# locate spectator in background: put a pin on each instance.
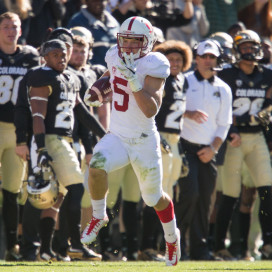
(102, 25)
(258, 17)
(47, 14)
(193, 32)
(222, 14)
(236, 27)
(114, 4)
(159, 15)
(71, 7)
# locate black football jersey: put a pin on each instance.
(87, 77)
(60, 116)
(173, 105)
(12, 69)
(249, 92)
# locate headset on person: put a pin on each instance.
(220, 59)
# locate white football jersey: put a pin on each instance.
(127, 119)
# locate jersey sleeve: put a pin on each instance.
(154, 64)
(22, 114)
(41, 77)
(110, 53)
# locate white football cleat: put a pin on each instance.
(172, 254)
(91, 231)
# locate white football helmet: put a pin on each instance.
(139, 28)
(43, 188)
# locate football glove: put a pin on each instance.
(44, 158)
(89, 103)
(263, 117)
(184, 167)
(128, 70)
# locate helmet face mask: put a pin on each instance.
(136, 28)
(43, 188)
(227, 56)
(248, 36)
(141, 45)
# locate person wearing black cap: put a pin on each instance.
(207, 120)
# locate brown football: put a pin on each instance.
(101, 90)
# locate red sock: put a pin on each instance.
(167, 214)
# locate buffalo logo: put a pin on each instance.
(239, 82)
(208, 45)
(62, 86)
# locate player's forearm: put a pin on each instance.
(215, 145)
(188, 11)
(147, 103)
(123, 8)
(38, 125)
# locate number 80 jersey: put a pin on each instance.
(12, 69)
(127, 119)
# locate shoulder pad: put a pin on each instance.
(111, 52)
(42, 76)
(154, 64)
(31, 49)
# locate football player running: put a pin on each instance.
(137, 78)
(15, 61)
(252, 99)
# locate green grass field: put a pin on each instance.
(135, 266)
